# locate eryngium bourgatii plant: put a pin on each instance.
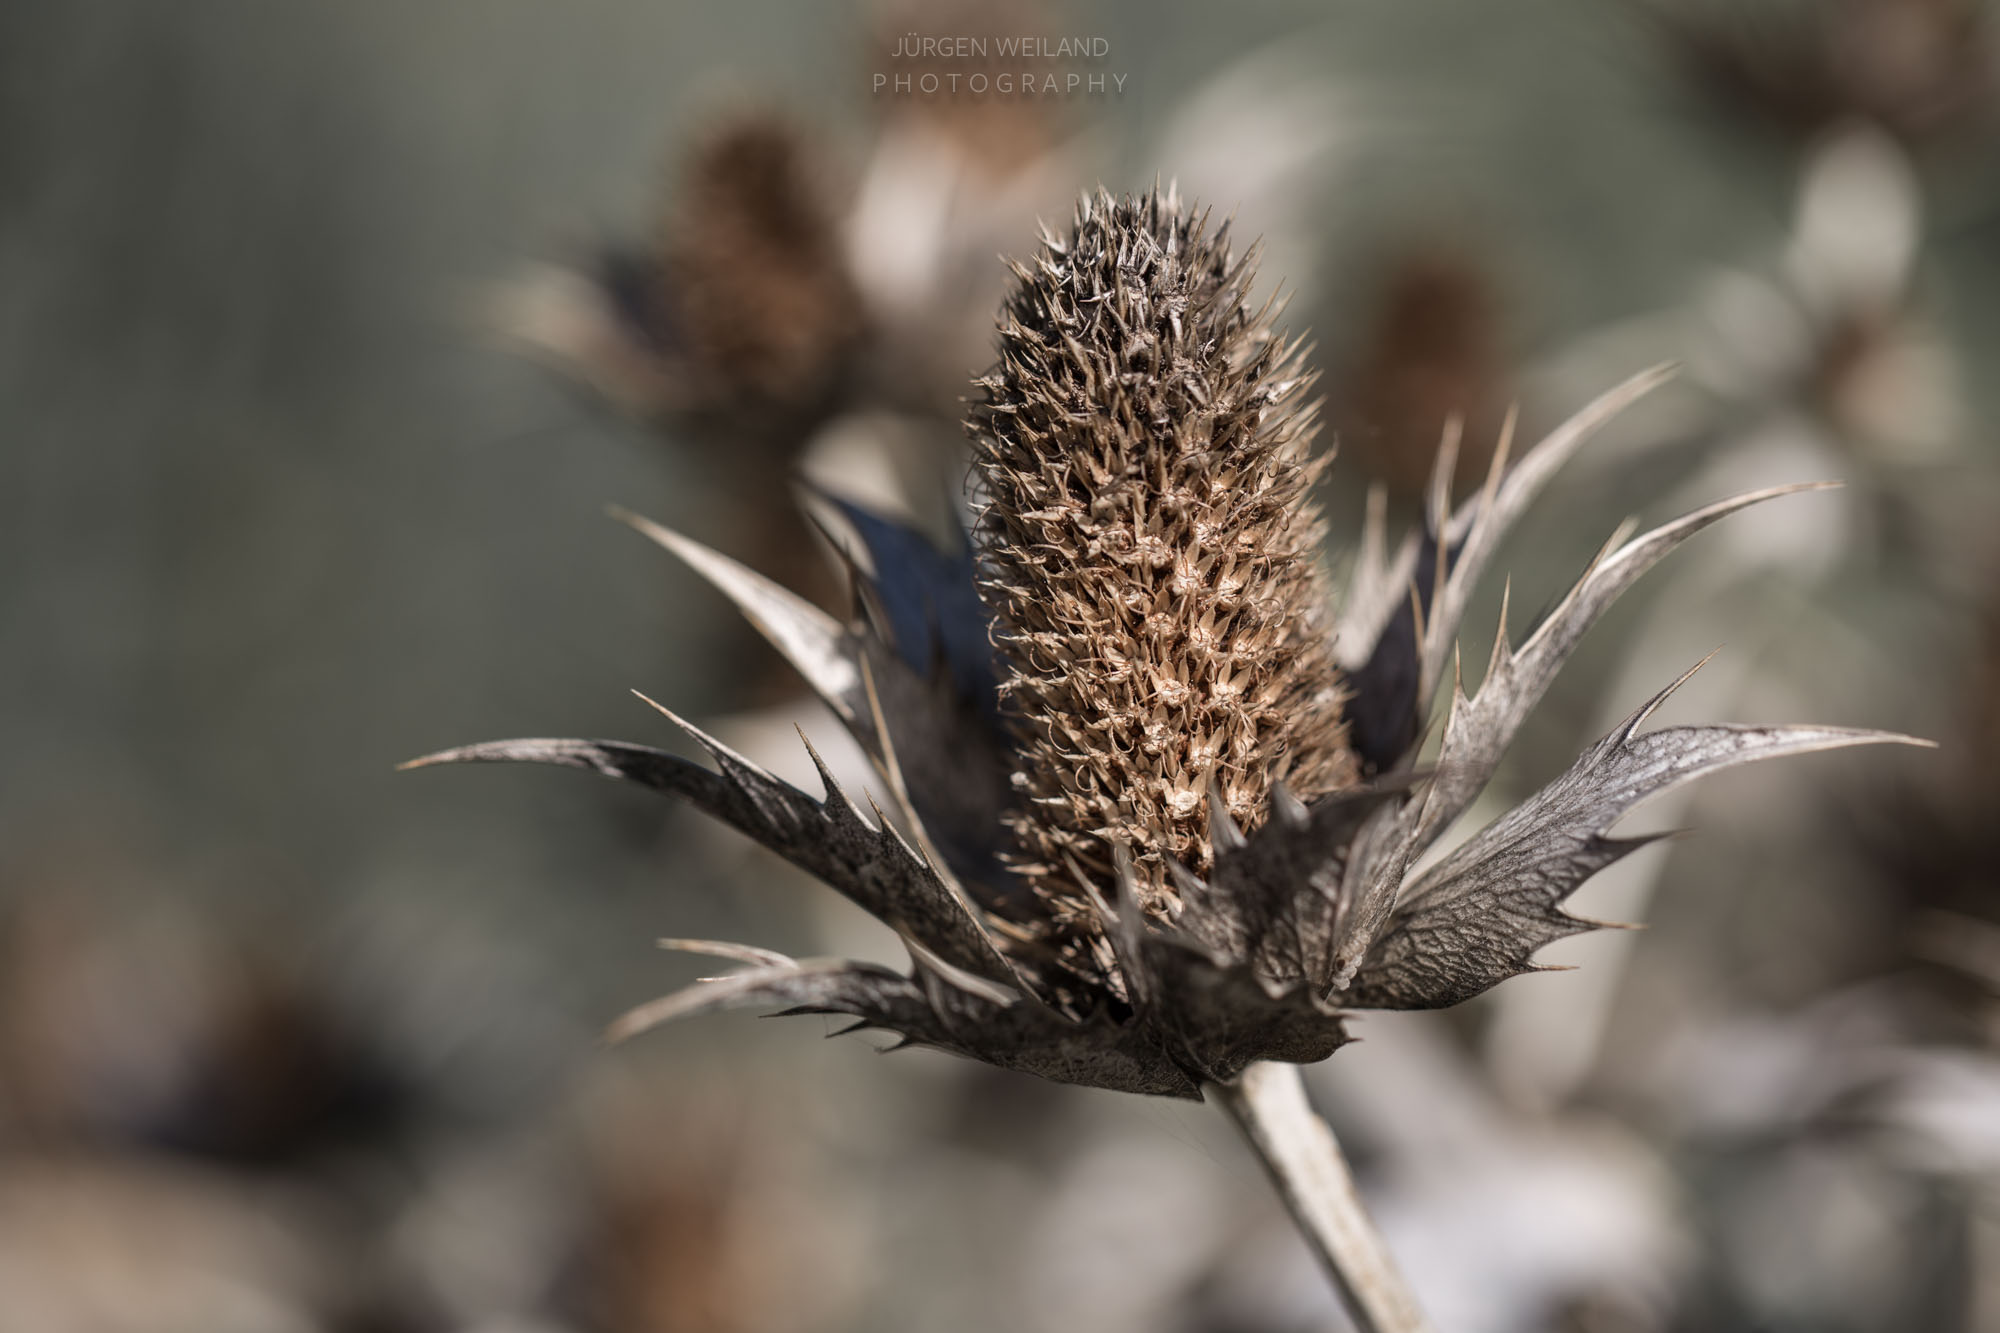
(1159, 807)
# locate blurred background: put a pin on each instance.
(328, 331)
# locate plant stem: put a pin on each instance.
(1268, 1103)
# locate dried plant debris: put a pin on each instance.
(1190, 868)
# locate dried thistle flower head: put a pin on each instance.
(1148, 537)
(1150, 550)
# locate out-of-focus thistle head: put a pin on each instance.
(753, 284)
(739, 318)
(1431, 350)
(1922, 69)
(1158, 805)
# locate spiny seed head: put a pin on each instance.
(1149, 550)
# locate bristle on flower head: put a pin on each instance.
(1149, 548)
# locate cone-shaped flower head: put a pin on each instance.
(1150, 551)
(1077, 721)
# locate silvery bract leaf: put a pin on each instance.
(1380, 589)
(927, 1010)
(1399, 620)
(1374, 594)
(742, 953)
(1475, 531)
(1478, 730)
(1477, 917)
(954, 769)
(868, 863)
(876, 995)
(818, 646)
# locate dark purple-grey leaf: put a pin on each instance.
(953, 759)
(931, 601)
(1216, 1017)
(1274, 898)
